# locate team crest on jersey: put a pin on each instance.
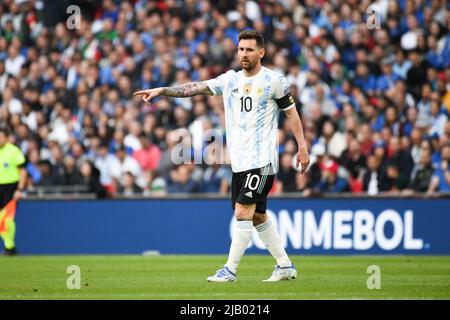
(247, 88)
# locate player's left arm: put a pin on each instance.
(295, 125)
(23, 177)
(286, 103)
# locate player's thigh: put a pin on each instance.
(244, 211)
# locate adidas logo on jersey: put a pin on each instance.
(235, 90)
(249, 194)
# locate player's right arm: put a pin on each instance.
(186, 90)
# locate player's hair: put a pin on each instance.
(252, 34)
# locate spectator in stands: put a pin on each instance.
(45, 171)
(401, 65)
(353, 159)
(387, 79)
(129, 188)
(166, 164)
(317, 157)
(438, 118)
(126, 163)
(180, 181)
(393, 180)
(148, 155)
(14, 61)
(365, 139)
(379, 151)
(401, 158)
(302, 184)
(441, 179)
(72, 176)
(91, 177)
(416, 75)
(333, 140)
(106, 164)
(422, 172)
(286, 175)
(331, 182)
(57, 164)
(157, 187)
(32, 166)
(365, 80)
(372, 177)
(217, 177)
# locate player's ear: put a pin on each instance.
(262, 52)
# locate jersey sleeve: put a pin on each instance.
(217, 84)
(282, 94)
(19, 158)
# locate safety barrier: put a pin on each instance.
(202, 226)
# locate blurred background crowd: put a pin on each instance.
(372, 90)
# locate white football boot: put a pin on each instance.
(279, 274)
(223, 275)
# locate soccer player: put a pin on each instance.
(13, 177)
(253, 98)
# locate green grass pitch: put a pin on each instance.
(184, 277)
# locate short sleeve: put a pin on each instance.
(217, 84)
(282, 94)
(19, 158)
(281, 87)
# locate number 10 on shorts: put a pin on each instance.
(252, 181)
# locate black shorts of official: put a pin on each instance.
(7, 193)
(252, 186)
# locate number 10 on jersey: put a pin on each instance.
(246, 104)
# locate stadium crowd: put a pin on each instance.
(373, 92)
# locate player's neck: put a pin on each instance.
(252, 72)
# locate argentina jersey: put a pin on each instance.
(252, 106)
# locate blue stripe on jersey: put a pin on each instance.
(262, 105)
(242, 120)
(233, 84)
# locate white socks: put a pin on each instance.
(271, 239)
(242, 235)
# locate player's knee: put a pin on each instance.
(244, 211)
(259, 218)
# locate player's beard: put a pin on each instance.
(249, 66)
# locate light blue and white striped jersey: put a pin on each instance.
(251, 116)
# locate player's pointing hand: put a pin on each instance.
(148, 94)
